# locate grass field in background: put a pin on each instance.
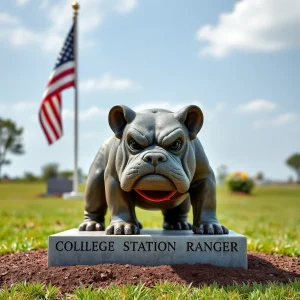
(270, 218)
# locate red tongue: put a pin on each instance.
(156, 196)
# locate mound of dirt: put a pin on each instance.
(32, 267)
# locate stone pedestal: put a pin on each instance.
(151, 248)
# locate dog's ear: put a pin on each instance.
(192, 117)
(118, 117)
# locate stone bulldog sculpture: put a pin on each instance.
(154, 161)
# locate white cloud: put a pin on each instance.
(21, 111)
(22, 2)
(258, 105)
(7, 19)
(86, 114)
(18, 35)
(125, 6)
(107, 82)
(18, 106)
(22, 36)
(254, 25)
(67, 114)
(285, 118)
(280, 120)
(92, 13)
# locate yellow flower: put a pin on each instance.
(240, 174)
(244, 175)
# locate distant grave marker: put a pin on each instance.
(58, 186)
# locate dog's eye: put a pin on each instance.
(134, 145)
(176, 146)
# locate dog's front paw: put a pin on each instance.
(210, 228)
(91, 226)
(121, 228)
(180, 225)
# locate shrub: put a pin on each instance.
(240, 182)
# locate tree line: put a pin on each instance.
(49, 170)
(11, 143)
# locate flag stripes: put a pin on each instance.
(50, 118)
(62, 77)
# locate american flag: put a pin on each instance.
(62, 77)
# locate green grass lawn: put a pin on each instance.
(270, 219)
(162, 291)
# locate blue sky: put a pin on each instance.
(238, 60)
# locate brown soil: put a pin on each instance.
(32, 267)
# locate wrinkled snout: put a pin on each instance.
(155, 170)
(154, 158)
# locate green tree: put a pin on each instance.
(29, 176)
(50, 171)
(294, 162)
(66, 174)
(10, 141)
(260, 176)
(69, 174)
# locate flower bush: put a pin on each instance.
(240, 182)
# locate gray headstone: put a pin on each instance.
(59, 186)
(151, 248)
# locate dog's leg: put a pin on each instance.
(203, 200)
(121, 207)
(95, 202)
(176, 218)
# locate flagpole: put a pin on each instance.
(75, 194)
(75, 6)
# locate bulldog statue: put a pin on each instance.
(154, 161)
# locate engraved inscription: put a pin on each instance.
(146, 246)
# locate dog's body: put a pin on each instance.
(154, 161)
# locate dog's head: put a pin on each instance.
(156, 157)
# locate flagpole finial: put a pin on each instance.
(75, 5)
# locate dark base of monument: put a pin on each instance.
(151, 248)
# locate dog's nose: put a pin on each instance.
(154, 158)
